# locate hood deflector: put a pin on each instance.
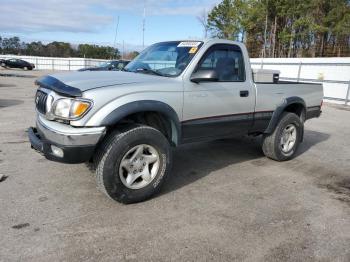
(59, 87)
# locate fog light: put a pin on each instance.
(57, 151)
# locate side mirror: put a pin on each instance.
(204, 76)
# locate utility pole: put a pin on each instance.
(116, 33)
(123, 50)
(143, 24)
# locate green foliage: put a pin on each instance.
(13, 45)
(293, 28)
(10, 44)
(103, 52)
(226, 19)
(61, 49)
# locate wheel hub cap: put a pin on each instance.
(288, 138)
(139, 166)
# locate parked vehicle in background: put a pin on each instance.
(2, 62)
(18, 63)
(176, 92)
(115, 65)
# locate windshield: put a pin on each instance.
(165, 59)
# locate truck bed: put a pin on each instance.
(271, 95)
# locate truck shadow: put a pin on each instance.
(9, 102)
(195, 161)
(311, 138)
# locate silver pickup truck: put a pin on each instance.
(125, 123)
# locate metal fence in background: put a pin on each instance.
(57, 63)
(335, 75)
(67, 64)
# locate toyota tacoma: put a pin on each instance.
(125, 123)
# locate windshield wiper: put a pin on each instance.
(147, 70)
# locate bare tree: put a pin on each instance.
(203, 20)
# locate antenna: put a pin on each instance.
(123, 52)
(143, 24)
(116, 33)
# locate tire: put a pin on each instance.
(277, 146)
(112, 175)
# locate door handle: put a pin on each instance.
(244, 93)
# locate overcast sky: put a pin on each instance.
(94, 21)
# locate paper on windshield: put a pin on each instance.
(189, 44)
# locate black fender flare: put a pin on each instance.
(280, 109)
(142, 106)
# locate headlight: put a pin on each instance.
(70, 109)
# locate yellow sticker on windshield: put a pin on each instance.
(193, 50)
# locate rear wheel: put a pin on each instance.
(25, 68)
(133, 163)
(283, 143)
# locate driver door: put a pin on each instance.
(221, 108)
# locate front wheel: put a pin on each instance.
(133, 164)
(283, 143)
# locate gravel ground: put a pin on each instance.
(224, 202)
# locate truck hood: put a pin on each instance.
(73, 84)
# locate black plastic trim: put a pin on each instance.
(219, 118)
(216, 127)
(35, 140)
(280, 109)
(142, 106)
(71, 154)
(313, 112)
(59, 87)
(261, 121)
(222, 126)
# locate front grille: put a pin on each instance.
(40, 101)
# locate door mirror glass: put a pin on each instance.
(204, 76)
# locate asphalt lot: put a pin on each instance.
(224, 202)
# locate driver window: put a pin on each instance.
(227, 61)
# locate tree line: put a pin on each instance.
(13, 45)
(283, 28)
